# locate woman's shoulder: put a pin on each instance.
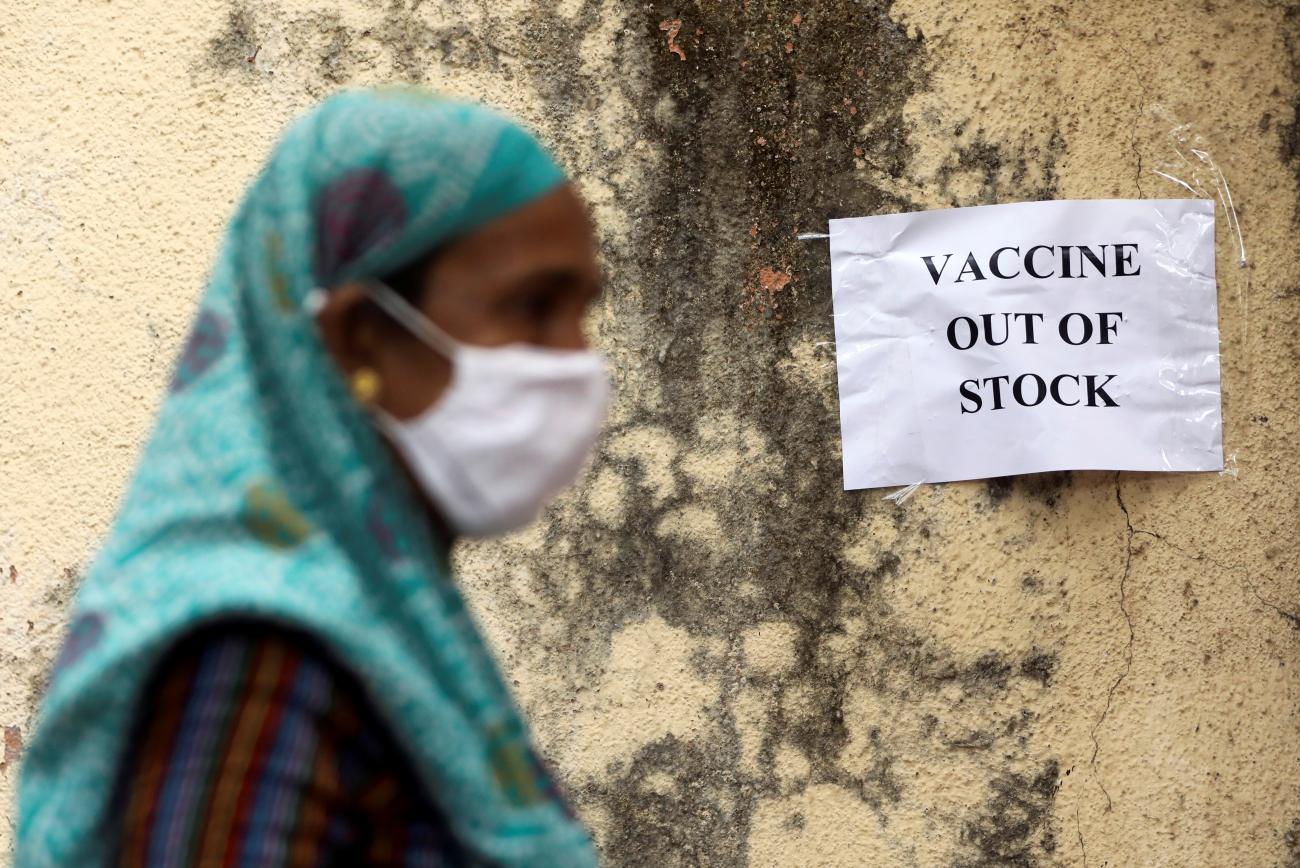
(251, 707)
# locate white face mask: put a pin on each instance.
(512, 430)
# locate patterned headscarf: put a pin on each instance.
(265, 492)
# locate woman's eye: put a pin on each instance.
(536, 305)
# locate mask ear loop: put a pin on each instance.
(422, 327)
(405, 313)
(314, 303)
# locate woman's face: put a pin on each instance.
(527, 277)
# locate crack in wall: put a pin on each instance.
(1292, 618)
(1130, 532)
(1143, 102)
(1128, 650)
(1078, 828)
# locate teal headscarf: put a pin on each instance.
(265, 492)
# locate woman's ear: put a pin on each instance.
(382, 363)
(348, 329)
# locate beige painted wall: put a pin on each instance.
(730, 660)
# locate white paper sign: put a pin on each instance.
(1002, 339)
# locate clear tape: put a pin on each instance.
(1193, 167)
(1195, 162)
(1184, 184)
(903, 494)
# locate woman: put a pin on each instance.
(269, 663)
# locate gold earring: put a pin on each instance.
(365, 386)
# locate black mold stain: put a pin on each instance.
(1291, 841)
(412, 42)
(412, 47)
(990, 162)
(1289, 134)
(1014, 826)
(1000, 488)
(1289, 147)
(60, 593)
(989, 673)
(880, 785)
(820, 733)
(1039, 665)
(688, 825)
(1017, 726)
(58, 596)
(339, 57)
(759, 126)
(231, 49)
(1047, 487)
(982, 158)
(1043, 487)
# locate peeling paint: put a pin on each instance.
(673, 27)
(13, 748)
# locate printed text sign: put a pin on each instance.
(1002, 339)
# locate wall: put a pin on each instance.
(730, 660)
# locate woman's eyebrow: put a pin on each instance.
(559, 277)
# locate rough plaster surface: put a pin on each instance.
(730, 660)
